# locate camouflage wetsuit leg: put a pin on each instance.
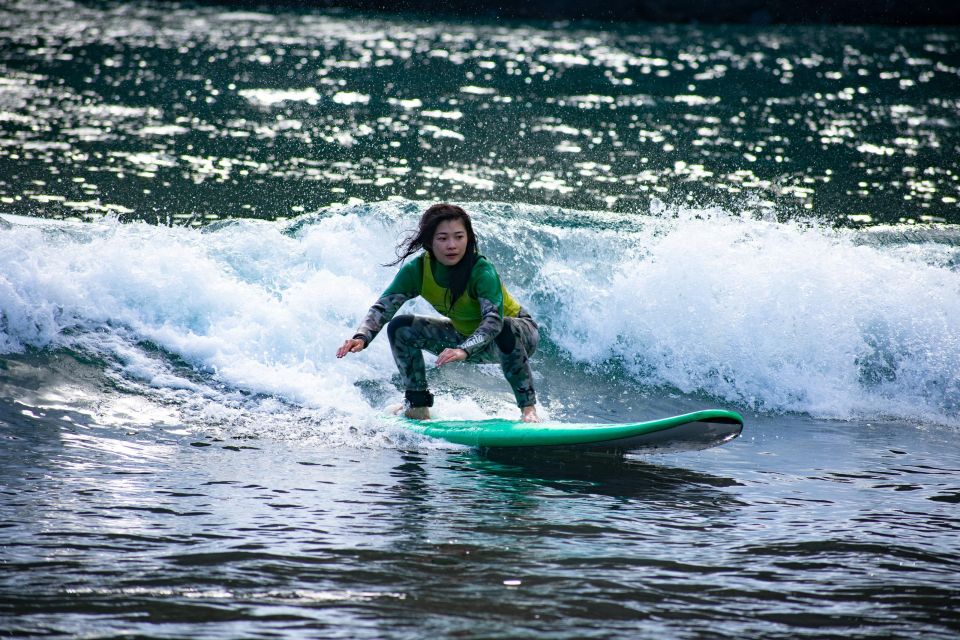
(518, 339)
(512, 348)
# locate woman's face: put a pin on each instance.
(450, 242)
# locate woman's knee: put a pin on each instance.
(398, 322)
(518, 333)
(505, 340)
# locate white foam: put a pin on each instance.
(783, 317)
(779, 317)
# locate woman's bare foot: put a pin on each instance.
(417, 413)
(529, 414)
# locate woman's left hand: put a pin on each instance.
(451, 355)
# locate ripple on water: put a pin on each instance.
(266, 118)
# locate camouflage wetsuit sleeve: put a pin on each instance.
(485, 287)
(405, 285)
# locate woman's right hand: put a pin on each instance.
(353, 345)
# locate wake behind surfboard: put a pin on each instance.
(688, 432)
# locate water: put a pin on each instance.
(195, 203)
(177, 115)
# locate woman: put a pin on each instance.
(483, 322)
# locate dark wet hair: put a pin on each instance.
(422, 238)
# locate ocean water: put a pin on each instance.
(195, 206)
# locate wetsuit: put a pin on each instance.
(485, 321)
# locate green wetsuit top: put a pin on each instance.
(484, 287)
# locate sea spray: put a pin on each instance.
(775, 316)
(769, 316)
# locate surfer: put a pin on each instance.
(482, 324)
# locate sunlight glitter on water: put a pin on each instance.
(357, 95)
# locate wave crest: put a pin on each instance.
(772, 316)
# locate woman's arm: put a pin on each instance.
(405, 285)
(486, 288)
(379, 315)
(490, 326)
(491, 323)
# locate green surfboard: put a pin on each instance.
(688, 432)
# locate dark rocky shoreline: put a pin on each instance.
(877, 12)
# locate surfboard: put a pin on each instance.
(688, 432)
